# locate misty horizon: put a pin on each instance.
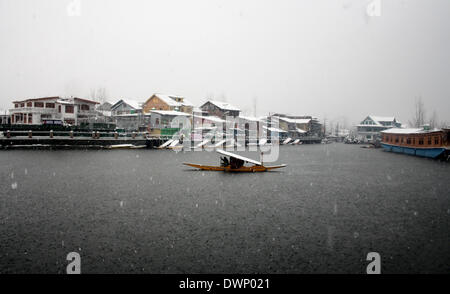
(330, 60)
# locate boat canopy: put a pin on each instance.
(238, 157)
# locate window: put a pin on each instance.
(39, 104)
(22, 104)
(84, 107)
(69, 109)
(29, 104)
(420, 141)
(49, 105)
(414, 141)
(429, 140)
(157, 121)
(30, 118)
(16, 105)
(401, 140)
(59, 108)
(436, 140)
(408, 141)
(396, 139)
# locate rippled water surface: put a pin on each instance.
(141, 211)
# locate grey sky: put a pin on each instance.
(325, 58)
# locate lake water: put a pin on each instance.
(141, 211)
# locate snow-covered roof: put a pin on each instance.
(250, 118)
(223, 105)
(60, 101)
(171, 112)
(295, 120)
(210, 118)
(300, 131)
(272, 129)
(408, 131)
(187, 102)
(382, 118)
(198, 110)
(289, 120)
(132, 103)
(378, 119)
(302, 120)
(168, 99)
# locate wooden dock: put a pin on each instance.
(78, 139)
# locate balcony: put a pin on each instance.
(33, 110)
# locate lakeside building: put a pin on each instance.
(73, 111)
(306, 128)
(127, 115)
(168, 122)
(105, 108)
(370, 128)
(220, 109)
(126, 106)
(132, 121)
(167, 102)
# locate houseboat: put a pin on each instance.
(420, 142)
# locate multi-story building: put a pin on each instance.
(69, 110)
(220, 109)
(300, 126)
(167, 102)
(370, 128)
(126, 106)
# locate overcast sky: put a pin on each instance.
(326, 58)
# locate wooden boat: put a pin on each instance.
(419, 142)
(236, 164)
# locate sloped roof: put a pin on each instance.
(132, 103)
(210, 118)
(302, 120)
(272, 129)
(378, 119)
(408, 131)
(168, 99)
(250, 118)
(382, 118)
(187, 102)
(295, 120)
(223, 105)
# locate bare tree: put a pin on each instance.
(418, 119)
(98, 94)
(210, 96)
(433, 120)
(254, 105)
(223, 97)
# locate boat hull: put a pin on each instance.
(255, 168)
(422, 152)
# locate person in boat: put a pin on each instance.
(236, 163)
(224, 161)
